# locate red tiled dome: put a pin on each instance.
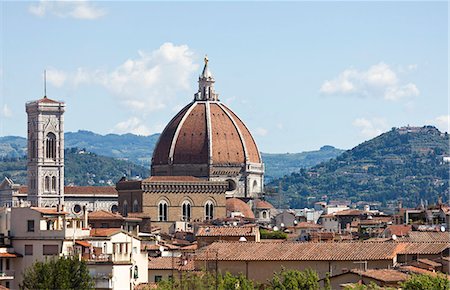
(236, 205)
(262, 204)
(206, 132)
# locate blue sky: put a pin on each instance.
(300, 74)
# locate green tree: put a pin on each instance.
(295, 279)
(62, 273)
(207, 281)
(426, 282)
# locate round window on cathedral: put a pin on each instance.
(114, 208)
(77, 208)
(231, 185)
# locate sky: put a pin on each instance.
(299, 74)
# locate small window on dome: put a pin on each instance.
(77, 208)
(231, 185)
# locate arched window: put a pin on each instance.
(125, 208)
(47, 183)
(136, 272)
(209, 210)
(54, 183)
(135, 206)
(50, 146)
(255, 185)
(114, 208)
(186, 208)
(162, 211)
(264, 214)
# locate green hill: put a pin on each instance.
(279, 165)
(139, 149)
(81, 168)
(405, 163)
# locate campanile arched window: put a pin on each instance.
(47, 183)
(186, 211)
(54, 183)
(50, 146)
(163, 211)
(209, 210)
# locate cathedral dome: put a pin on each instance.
(207, 139)
(206, 133)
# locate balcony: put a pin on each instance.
(6, 275)
(107, 259)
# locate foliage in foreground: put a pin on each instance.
(285, 280)
(62, 273)
(426, 282)
(294, 279)
(208, 281)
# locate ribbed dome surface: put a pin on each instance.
(236, 205)
(206, 132)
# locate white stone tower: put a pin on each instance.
(45, 152)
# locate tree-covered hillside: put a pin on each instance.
(139, 150)
(405, 163)
(81, 168)
(279, 165)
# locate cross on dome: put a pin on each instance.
(206, 82)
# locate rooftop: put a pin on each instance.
(230, 231)
(295, 251)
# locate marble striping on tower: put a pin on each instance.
(208, 140)
(45, 152)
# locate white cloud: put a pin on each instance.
(6, 111)
(56, 77)
(147, 83)
(132, 125)
(378, 80)
(441, 122)
(261, 131)
(78, 9)
(370, 128)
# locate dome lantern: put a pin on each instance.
(206, 82)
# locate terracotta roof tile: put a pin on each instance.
(399, 230)
(432, 237)
(262, 204)
(349, 212)
(307, 225)
(429, 262)
(215, 231)
(417, 270)
(295, 251)
(47, 100)
(424, 248)
(236, 205)
(190, 139)
(85, 244)
(10, 255)
(104, 232)
(161, 152)
(169, 263)
(103, 214)
(252, 149)
(49, 210)
(385, 275)
(191, 146)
